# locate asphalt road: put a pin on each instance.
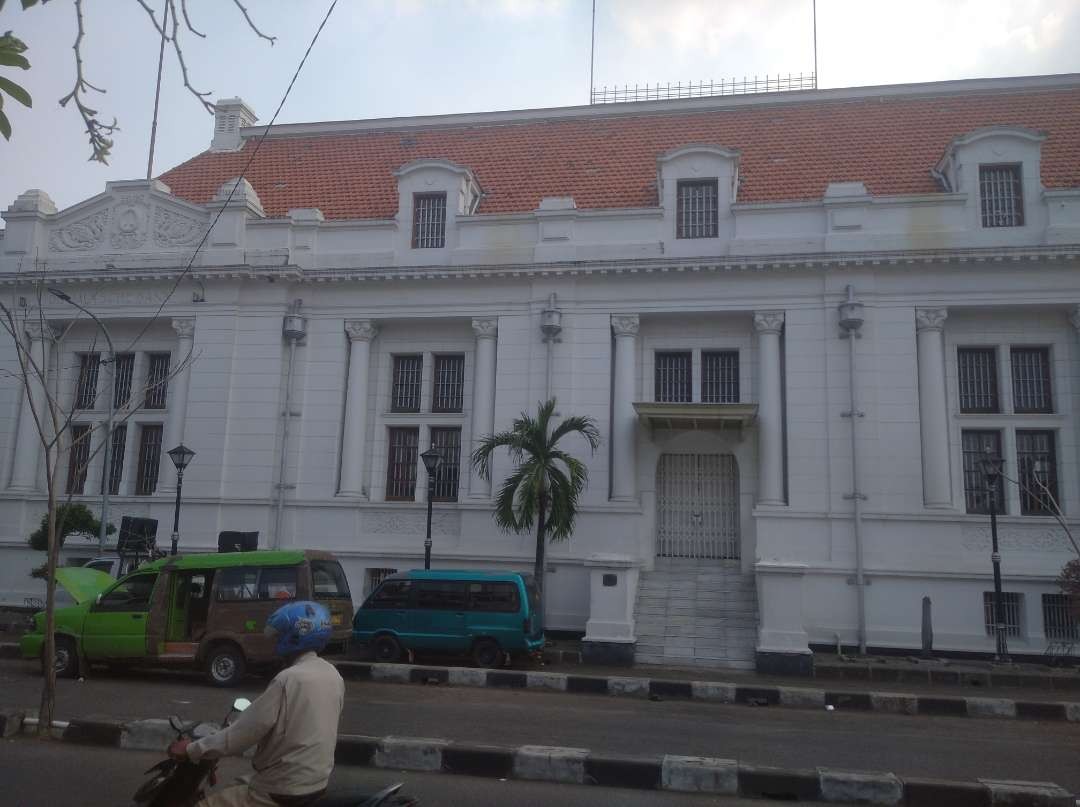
(938, 747)
(99, 777)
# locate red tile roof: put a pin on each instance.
(790, 151)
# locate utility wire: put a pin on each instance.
(243, 173)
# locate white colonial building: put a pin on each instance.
(798, 318)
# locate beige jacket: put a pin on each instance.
(294, 724)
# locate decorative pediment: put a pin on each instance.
(129, 217)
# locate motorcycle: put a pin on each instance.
(182, 783)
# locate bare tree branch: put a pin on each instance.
(187, 20)
(100, 133)
(251, 25)
(209, 106)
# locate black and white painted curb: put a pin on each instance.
(583, 767)
(713, 691)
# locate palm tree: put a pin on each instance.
(546, 482)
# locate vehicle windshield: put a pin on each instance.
(328, 580)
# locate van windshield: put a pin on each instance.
(328, 580)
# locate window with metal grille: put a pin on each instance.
(977, 373)
(1060, 622)
(374, 579)
(673, 377)
(974, 443)
(1036, 466)
(157, 381)
(720, 376)
(146, 476)
(1031, 380)
(1001, 196)
(78, 458)
(1011, 608)
(429, 221)
(86, 387)
(405, 392)
(696, 215)
(123, 370)
(401, 464)
(448, 382)
(116, 468)
(447, 441)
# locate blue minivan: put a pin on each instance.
(482, 614)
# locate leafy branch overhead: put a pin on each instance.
(99, 133)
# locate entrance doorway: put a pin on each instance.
(697, 504)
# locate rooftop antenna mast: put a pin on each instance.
(592, 49)
(815, 44)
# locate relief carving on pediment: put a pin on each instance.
(84, 234)
(174, 229)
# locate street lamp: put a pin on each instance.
(990, 465)
(432, 458)
(180, 456)
(107, 472)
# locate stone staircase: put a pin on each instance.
(696, 613)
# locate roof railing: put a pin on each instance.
(704, 89)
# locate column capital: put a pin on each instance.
(38, 330)
(625, 324)
(361, 330)
(930, 319)
(1074, 317)
(487, 328)
(184, 327)
(768, 321)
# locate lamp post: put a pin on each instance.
(432, 458)
(111, 404)
(180, 456)
(991, 469)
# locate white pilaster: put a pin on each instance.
(354, 443)
(483, 401)
(933, 406)
(179, 384)
(623, 417)
(24, 475)
(769, 325)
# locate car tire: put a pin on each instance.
(487, 653)
(225, 665)
(66, 659)
(387, 649)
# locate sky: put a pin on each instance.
(382, 58)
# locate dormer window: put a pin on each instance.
(1001, 196)
(696, 214)
(429, 221)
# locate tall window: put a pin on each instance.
(78, 458)
(123, 371)
(429, 221)
(1011, 607)
(447, 441)
(157, 381)
(1031, 380)
(696, 215)
(86, 387)
(448, 383)
(116, 468)
(976, 492)
(401, 464)
(146, 476)
(1001, 196)
(405, 396)
(1059, 618)
(673, 377)
(977, 374)
(1036, 465)
(720, 376)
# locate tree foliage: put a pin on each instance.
(546, 483)
(71, 519)
(11, 55)
(1070, 584)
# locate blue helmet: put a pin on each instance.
(299, 627)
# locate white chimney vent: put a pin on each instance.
(230, 116)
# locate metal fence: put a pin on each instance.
(704, 89)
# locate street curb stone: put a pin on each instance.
(623, 771)
(935, 793)
(764, 782)
(94, 732)
(546, 763)
(10, 723)
(478, 760)
(1009, 793)
(410, 753)
(699, 775)
(355, 749)
(860, 788)
(147, 735)
(716, 691)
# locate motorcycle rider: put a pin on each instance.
(293, 724)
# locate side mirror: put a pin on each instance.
(240, 704)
